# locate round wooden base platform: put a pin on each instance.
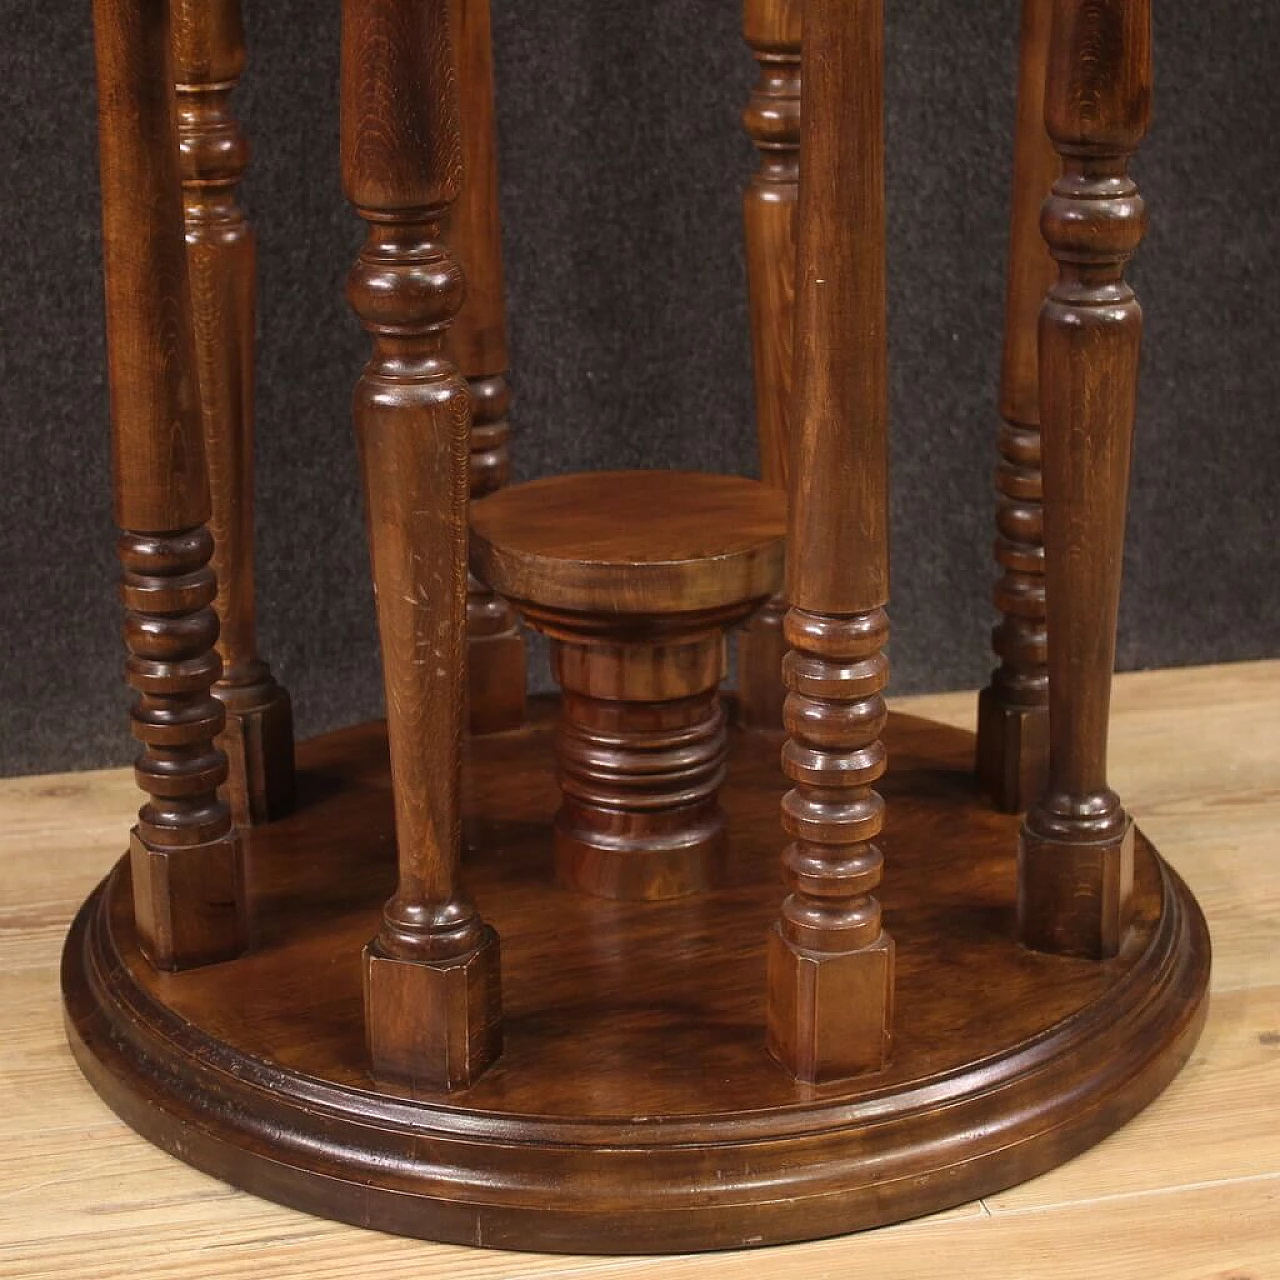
(634, 1108)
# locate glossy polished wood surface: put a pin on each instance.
(187, 861)
(665, 541)
(1185, 1191)
(631, 575)
(830, 976)
(772, 121)
(431, 972)
(633, 1108)
(209, 57)
(478, 344)
(1076, 851)
(1013, 710)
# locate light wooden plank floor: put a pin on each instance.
(1188, 1191)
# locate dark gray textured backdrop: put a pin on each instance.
(622, 161)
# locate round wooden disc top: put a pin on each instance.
(634, 542)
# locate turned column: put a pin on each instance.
(209, 56)
(830, 963)
(432, 1002)
(184, 856)
(478, 345)
(1013, 710)
(772, 121)
(1076, 852)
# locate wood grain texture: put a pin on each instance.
(402, 163)
(478, 344)
(637, 542)
(209, 57)
(1013, 710)
(1186, 1191)
(187, 861)
(830, 972)
(1076, 846)
(633, 577)
(772, 121)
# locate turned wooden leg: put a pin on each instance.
(432, 998)
(478, 344)
(209, 55)
(1013, 710)
(772, 120)
(830, 962)
(1076, 852)
(185, 857)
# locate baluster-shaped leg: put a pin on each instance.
(1076, 852)
(432, 1003)
(478, 343)
(830, 981)
(185, 858)
(772, 120)
(1013, 710)
(209, 55)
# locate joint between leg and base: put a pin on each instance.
(189, 902)
(1013, 752)
(830, 1014)
(258, 742)
(434, 1024)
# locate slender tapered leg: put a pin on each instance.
(772, 120)
(1076, 852)
(1013, 710)
(478, 344)
(209, 55)
(830, 962)
(185, 857)
(432, 999)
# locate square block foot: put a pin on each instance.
(189, 903)
(1013, 752)
(830, 1015)
(258, 742)
(1075, 899)
(496, 671)
(434, 1024)
(761, 693)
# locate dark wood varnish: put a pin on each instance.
(1076, 853)
(185, 857)
(772, 121)
(431, 973)
(830, 975)
(635, 1107)
(209, 56)
(635, 576)
(1013, 710)
(478, 344)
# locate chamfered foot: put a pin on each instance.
(829, 1013)
(436, 1024)
(258, 742)
(1012, 752)
(1075, 896)
(189, 903)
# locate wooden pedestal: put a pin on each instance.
(635, 1107)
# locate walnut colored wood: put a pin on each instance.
(209, 56)
(635, 1108)
(431, 973)
(1013, 710)
(637, 542)
(1075, 887)
(830, 976)
(630, 574)
(772, 121)
(186, 860)
(478, 343)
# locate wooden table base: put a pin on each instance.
(634, 1108)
